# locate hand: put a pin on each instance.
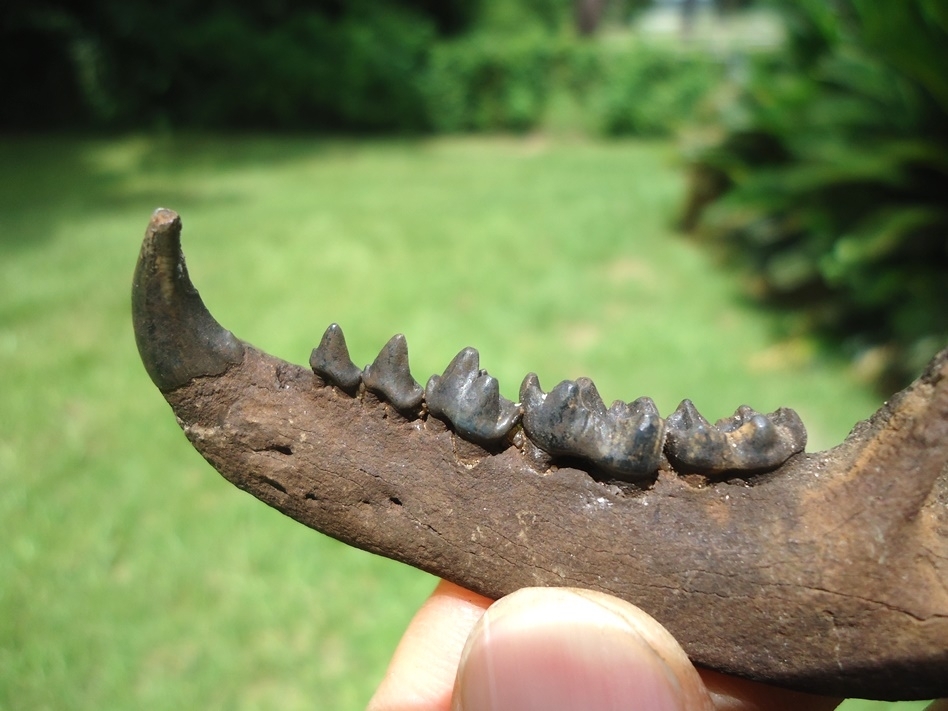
(557, 649)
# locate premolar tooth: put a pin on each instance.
(746, 441)
(390, 376)
(572, 420)
(470, 400)
(330, 361)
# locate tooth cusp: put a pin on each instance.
(789, 423)
(626, 440)
(470, 400)
(390, 376)
(330, 361)
(760, 442)
(747, 441)
(692, 443)
(572, 421)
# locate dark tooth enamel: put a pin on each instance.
(748, 431)
(330, 361)
(692, 442)
(390, 376)
(647, 431)
(177, 337)
(470, 400)
(763, 441)
(793, 430)
(572, 421)
(746, 441)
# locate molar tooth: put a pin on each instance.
(390, 376)
(759, 442)
(330, 361)
(693, 443)
(646, 428)
(748, 430)
(470, 400)
(572, 420)
(531, 395)
(791, 427)
(554, 420)
(746, 441)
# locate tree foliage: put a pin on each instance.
(830, 175)
(392, 65)
(281, 63)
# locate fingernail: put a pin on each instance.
(565, 650)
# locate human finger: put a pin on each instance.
(565, 649)
(423, 669)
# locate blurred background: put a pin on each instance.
(740, 201)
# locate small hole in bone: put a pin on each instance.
(275, 484)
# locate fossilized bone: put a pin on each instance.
(825, 572)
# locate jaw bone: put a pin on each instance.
(827, 574)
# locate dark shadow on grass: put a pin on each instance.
(49, 181)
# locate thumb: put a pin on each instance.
(563, 649)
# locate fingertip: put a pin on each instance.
(562, 649)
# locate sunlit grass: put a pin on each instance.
(132, 576)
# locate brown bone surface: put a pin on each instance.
(829, 574)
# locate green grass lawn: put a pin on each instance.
(132, 576)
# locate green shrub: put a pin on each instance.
(650, 91)
(832, 169)
(495, 81)
(489, 81)
(379, 65)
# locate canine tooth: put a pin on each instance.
(470, 400)
(746, 441)
(162, 293)
(390, 376)
(572, 420)
(330, 360)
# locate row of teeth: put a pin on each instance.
(625, 441)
